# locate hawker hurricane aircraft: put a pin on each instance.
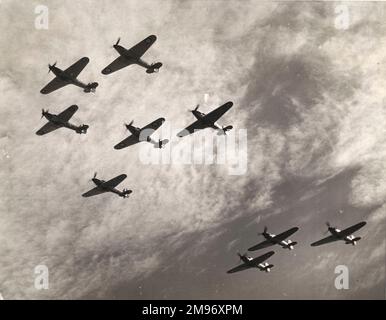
(345, 235)
(142, 134)
(68, 76)
(207, 120)
(133, 56)
(258, 262)
(108, 186)
(279, 239)
(61, 121)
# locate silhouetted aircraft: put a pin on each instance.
(108, 186)
(142, 134)
(133, 56)
(68, 76)
(279, 239)
(60, 121)
(345, 235)
(207, 120)
(253, 263)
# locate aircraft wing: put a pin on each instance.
(115, 181)
(216, 114)
(129, 141)
(68, 113)
(241, 267)
(94, 192)
(116, 65)
(47, 128)
(151, 127)
(261, 245)
(262, 258)
(197, 125)
(324, 241)
(284, 235)
(53, 85)
(140, 48)
(77, 67)
(352, 229)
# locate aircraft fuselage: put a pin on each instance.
(100, 184)
(286, 244)
(200, 116)
(56, 120)
(126, 53)
(261, 266)
(67, 77)
(348, 239)
(140, 134)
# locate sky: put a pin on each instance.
(307, 81)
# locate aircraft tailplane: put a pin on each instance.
(154, 67)
(225, 129)
(91, 87)
(291, 245)
(125, 193)
(82, 129)
(353, 241)
(161, 143)
(268, 267)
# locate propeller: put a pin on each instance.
(195, 109)
(49, 67)
(265, 231)
(128, 125)
(43, 113)
(241, 255)
(119, 39)
(328, 226)
(95, 174)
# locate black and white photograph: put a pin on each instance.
(192, 150)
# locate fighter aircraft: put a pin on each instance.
(207, 120)
(61, 120)
(249, 262)
(142, 134)
(108, 186)
(133, 56)
(345, 235)
(68, 76)
(279, 239)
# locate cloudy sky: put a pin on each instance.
(307, 81)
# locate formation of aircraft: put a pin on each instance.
(61, 120)
(133, 56)
(257, 262)
(207, 120)
(345, 235)
(68, 76)
(271, 239)
(142, 134)
(108, 186)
